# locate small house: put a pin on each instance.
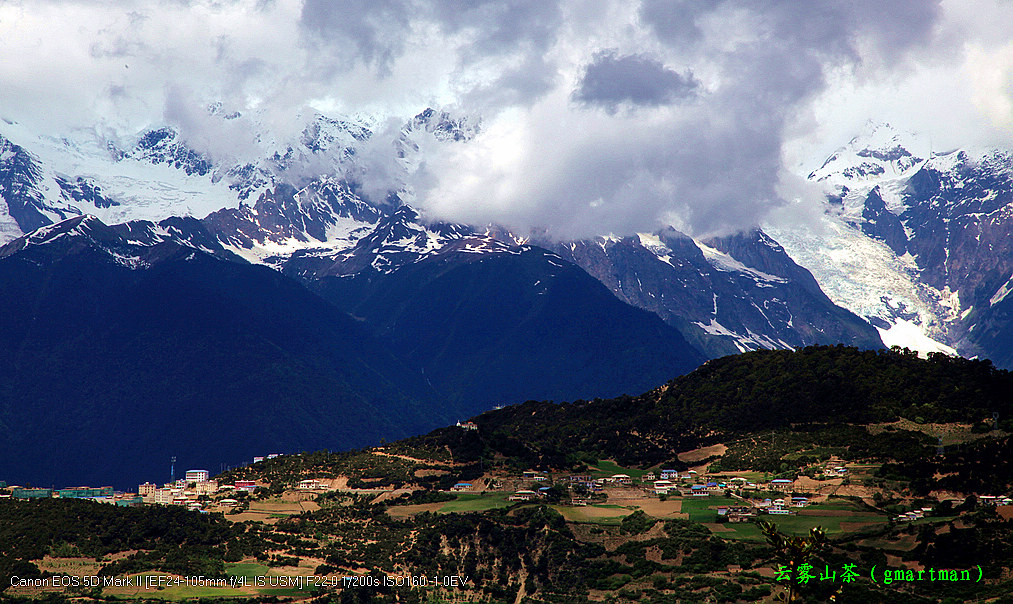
(523, 496)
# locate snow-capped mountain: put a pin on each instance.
(158, 173)
(45, 180)
(727, 295)
(300, 209)
(915, 239)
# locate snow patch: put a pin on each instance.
(908, 334)
(1001, 293)
(9, 229)
(723, 262)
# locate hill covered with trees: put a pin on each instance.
(757, 391)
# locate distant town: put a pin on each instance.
(191, 491)
(777, 496)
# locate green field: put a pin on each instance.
(800, 525)
(181, 593)
(703, 509)
(855, 516)
(743, 530)
(608, 468)
(476, 502)
(247, 569)
(749, 475)
(609, 515)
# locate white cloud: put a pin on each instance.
(775, 85)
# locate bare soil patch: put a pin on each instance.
(392, 494)
(423, 473)
(662, 509)
(848, 527)
(717, 528)
(407, 511)
(702, 453)
(431, 462)
(838, 513)
(591, 513)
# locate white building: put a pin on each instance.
(197, 475)
(205, 487)
(662, 487)
(523, 496)
(165, 496)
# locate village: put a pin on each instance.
(774, 497)
(193, 491)
(602, 503)
(724, 497)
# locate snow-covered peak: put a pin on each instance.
(74, 233)
(443, 125)
(325, 133)
(84, 226)
(725, 262)
(82, 174)
(881, 153)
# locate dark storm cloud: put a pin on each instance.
(821, 27)
(611, 80)
(675, 21)
(707, 167)
(785, 57)
(502, 23)
(772, 57)
(523, 84)
(378, 29)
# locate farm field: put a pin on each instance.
(663, 510)
(476, 502)
(609, 468)
(465, 502)
(273, 509)
(594, 514)
(704, 509)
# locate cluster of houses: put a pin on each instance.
(782, 505)
(667, 482)
(672, 482)
(995, 500)
(185, 492)
(97, 494)
(524, 495)
(913, 515)
(188, 490)
(992, 500)
(739, 513)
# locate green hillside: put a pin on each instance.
(529, 504)
(753, 392)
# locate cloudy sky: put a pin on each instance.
(597, 116)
